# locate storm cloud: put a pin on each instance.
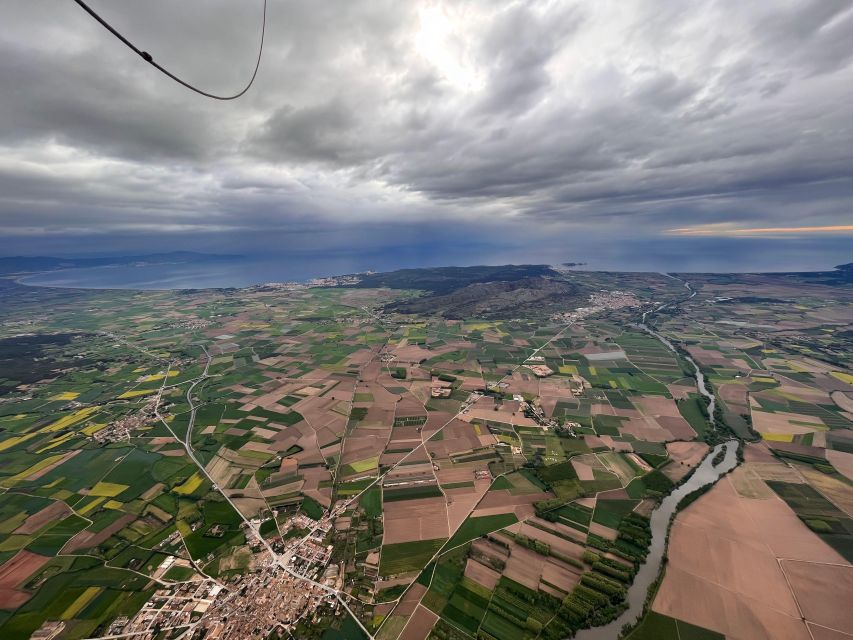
(556, 124)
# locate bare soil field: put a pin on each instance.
(646, 429)
(687, 454)
(449, 475)
(784, 423)
(524, 566)
(409, 520)
(488, 549)
(748, 483)
(412, 353)
(560, 575)
(803, 392)
(411, 599)
(603, 532)
(600, 408)
(774, 470)
(457, 437)
(823, 591)
(503, 501)
(733, 394)
(658, 406)
(758, 452)
(50, 513)
(482, 574)
(584, 471)
(843, 400)
(677, 426)
(679, 392)
(707, 357)
(723, 571)
(221, 471)
(589, 503)
(87, 539)
(13, 572)
(843, 462)
(822, 633)
(616, 445)
(153, 492)
(463, 500)
(419, 625)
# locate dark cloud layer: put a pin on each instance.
(518, 123)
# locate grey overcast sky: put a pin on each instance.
(567, 127)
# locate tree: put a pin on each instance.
(534, 625)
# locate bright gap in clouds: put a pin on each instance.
(724, 229)
(441, 40)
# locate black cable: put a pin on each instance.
(150, 60)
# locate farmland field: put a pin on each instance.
(408, 556)
(454, 476)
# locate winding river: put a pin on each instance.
(706, 474)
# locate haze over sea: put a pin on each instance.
(675, 255)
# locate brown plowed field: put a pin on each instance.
(87, 539)
(685, 454)
(644, 429)
(824, 592)
(784, 423)
(410, 600)
(748, 483)
(677, 426)
(463, 500)
(560, 575)
(724, 573)
(55, 511)
(419, 625)
(409, 520)
(821, 633)
(842, 461)
(584, 471)
(658, 406)
(602, 532)
(482, 574)
(449, 475)
(524, 566)
(13, 572)
(843, 400)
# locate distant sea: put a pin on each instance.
(196, 274)
(209, 272)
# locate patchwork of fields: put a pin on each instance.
(461, 492)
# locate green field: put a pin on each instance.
(476, 527)
(411, 493)
(312, 508)
(655, 626)
(371, 502)
(408, 556)
(693, 410)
